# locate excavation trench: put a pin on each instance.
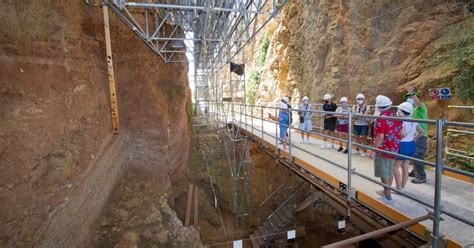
(142, 208)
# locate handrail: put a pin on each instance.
(293, 193)
(459, 131)
(271, 195)
(460, 107)
(440, 125)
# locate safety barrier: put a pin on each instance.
(252, 111)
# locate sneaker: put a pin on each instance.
(302, 142)
(387, 201)
(418, 180)
(340, 149)
(345, 151)
(323, 146)
(308, 141)
(363, 154)
(354, 151)
(329, 146)
(412, 174)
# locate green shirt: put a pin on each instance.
(421, 113)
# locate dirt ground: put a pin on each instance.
(138, 215)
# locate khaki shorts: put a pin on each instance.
(383, 167)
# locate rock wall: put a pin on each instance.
(374, 47)
(55, 115)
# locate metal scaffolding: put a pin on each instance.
(213, 31)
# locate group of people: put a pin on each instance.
(406, 138)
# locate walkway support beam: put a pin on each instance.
(438, 175)
(378, 233)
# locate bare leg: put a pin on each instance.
(404, 173)
(396, 173)
(340, 136)
(359, 141)
(343, 136)
(386, 191)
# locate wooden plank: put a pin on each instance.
(110, 71)
(254, 241)
(323, 175)
(390, 212)
(196, 206)
(453, 244)
(189, 205)
(458, 176)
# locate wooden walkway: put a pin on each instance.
(457, 195)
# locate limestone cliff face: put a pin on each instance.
(347, 47)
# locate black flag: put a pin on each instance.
(237, 69)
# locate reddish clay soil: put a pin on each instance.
(55, 114)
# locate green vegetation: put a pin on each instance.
(463, 63)
(253, 81)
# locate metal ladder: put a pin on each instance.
(279, 219)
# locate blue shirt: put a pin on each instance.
(343, 110)
(284, 120)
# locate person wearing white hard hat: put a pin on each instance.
(410, 131)
(306, 125)
(361, 124)
(329, 120)
(283, 120)
(387, 138)
(343, 122)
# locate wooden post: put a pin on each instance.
(110, 70)
(196, 206)
(189, 205)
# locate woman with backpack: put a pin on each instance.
(361, 124)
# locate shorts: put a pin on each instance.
(329, 125)
(407, 149)
(307, 125)
(283, 132)
(361, 130)
(343, 128)
(383, 167)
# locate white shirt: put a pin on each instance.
(364, 110)
(410, 128)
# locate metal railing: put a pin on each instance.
(440, 124)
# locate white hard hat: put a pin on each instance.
(382, 101)
(360, 96)
(285, 99)
(305, 98)
(327, 97)
(282, 105)
(344, 99)
(406, 107)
